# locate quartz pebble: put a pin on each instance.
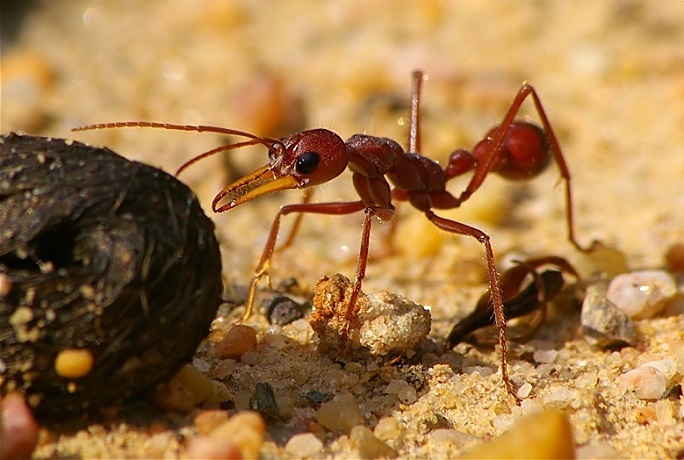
(524, 391)
(388, 429)
(642, 294)
(207, 420)
(545, 356)
(603, 324)
(239, 340)
(187, 389)
(544, 435)
(241, 436)
(647, 382)
(303, 445)
(341, 413)
(368, 445)
(665, 414)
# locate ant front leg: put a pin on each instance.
(494, 283)
(306, 198)
(265, 262)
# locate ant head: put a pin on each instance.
(311, 157)
(305, 159)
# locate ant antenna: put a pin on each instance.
(254, 139)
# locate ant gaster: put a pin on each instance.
(382, 172)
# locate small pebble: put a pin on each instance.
(303, 445)
(560, 396)
(544, 435)
(647, 382)
(223, 369)
(205, 448)
(282, 310)
(603, 324)
(263, 401)
(642, 294)
(239, 340)
(665, 412)
(368, 445)
(317, 397)
(545, 356)
(207, 420)
(667, 366)
(407, 395)
(250, 358)
(503, 422)
(18, 428)
(524, 391)
(395, 386)
(244, 431)
(341, 413)
(174, 396)
(388, 429)
(189, 388)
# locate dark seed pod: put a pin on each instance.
(110, 275)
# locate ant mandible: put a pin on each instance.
(382, 172)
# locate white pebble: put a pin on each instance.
(560, 396)
(303, 445)
(665, 412)
(388, 428)
(545, 356)
(667, 366)
(524, 391)
(642, 294)
(647, 382)
(503, 422)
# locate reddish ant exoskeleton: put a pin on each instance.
(382, 172)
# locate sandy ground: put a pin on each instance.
(611, 78)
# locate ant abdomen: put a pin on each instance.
(524, 153)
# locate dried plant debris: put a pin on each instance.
(110, 275)
(387, 325)
(529, 302)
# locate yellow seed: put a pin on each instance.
(74, 363)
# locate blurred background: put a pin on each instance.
(610, 75)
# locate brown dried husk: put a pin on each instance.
(109, 255)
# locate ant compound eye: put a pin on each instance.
(308, 162)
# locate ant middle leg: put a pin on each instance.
(494, 283)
